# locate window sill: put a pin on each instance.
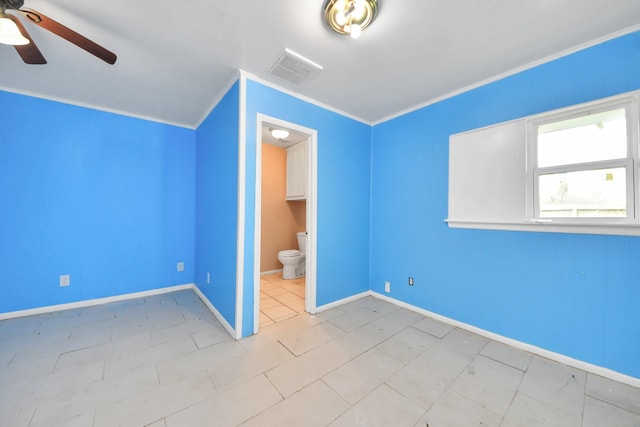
(621, 229)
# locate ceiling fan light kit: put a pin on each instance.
(350, 17)
(12, 32)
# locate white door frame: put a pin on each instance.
(312, 211)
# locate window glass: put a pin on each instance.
(589, 138)
(599, 193)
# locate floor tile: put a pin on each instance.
(383, 407)
(165, 360)
(299, 342)
(238, 369)
(510, 356)
(434, 327)
(269, 302)
(154, 353)
(230, 408)
(357, 378)
(554, 384)
(488, 383)
(315, 405)
(279, 312)
(265, 320)
(297, 373)
(209, 337)
(455, 410)
(73, 402)
(407, 344)
(190, 363)
(615, 393)
(599, 414)
(275, 291)
(526, 411)
(84, 420)
(356, 318)
(427, 377)
(280, 299)
(163, 401)
(397, 320)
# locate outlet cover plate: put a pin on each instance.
(65, 280)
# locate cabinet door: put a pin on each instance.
(297, 172)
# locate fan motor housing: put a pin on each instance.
(11, 4)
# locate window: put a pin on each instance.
(575, 170)
(584, 165)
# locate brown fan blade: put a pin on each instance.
(29, 53)
(69, 35)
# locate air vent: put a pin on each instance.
(294, 68)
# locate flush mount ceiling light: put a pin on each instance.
(279, 133)
(9, 31)
(350, 16)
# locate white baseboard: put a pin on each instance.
(560, 358)
(117, 298)
(92, 302)
(342, 301)
(215, 312)
(264, 273)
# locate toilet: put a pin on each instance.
(293, 260)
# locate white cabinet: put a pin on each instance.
(297, 171)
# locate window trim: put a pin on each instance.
(467, 174)
(627, 101)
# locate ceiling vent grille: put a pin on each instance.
(294, 68)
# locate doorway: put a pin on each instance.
(297, 135)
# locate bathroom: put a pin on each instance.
(283, 225)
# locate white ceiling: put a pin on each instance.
(175, 59)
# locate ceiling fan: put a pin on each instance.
(29, 52)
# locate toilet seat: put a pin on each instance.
(289, 253)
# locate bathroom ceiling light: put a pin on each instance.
(350, 16)
(279, 133)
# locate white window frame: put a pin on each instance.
(630, 162)
(493, 175)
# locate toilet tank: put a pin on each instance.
(302, 241)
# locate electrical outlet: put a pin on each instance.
(181, 266)
(387, 287)
(65, 280)
(208, 277)
(410, 281)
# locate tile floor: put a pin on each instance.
(280, 299)
(165, 361)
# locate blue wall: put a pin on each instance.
(573, 294)
(217, 204)
(344, 154)
(116, 202)
(105, 198)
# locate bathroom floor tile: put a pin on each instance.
(279, 312)
(280, 299)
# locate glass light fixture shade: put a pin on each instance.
(355, 30)
(350, 16)
(9, 32)
(279, 133)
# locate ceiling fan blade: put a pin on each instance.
(68, 34)
(29, 53)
